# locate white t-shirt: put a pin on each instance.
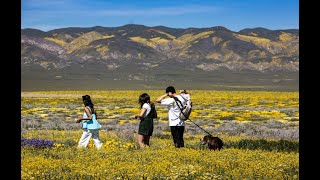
(174, 111)
(148, 109)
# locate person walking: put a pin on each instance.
(90, 124)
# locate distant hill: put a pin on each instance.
(150, 54)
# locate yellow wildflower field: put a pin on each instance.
(259, 130)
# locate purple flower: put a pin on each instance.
(36, 142)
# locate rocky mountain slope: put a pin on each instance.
(139, 52)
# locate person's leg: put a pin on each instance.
(141, 140)
(84, 140)
(147, 140)
(96, 139)
(180, 136)
(174, 135)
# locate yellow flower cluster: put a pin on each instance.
(119, 159)
(122, 159)
(58, 145)
(113, 143)
(208, 105)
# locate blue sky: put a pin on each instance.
(232, 14)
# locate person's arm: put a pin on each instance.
(161, 97)
(88, 114)
(143, 110)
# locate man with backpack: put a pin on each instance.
(179, 111)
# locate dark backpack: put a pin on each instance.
(155, 115)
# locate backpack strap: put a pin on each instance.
(183, 98)
(178, 102)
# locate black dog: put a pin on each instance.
(213, 142)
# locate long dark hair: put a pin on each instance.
(144, 98)
(87, 102)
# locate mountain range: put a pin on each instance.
(154, 54)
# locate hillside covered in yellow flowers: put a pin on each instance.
(138, 54)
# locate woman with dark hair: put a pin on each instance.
(90, 124)
(148, 112)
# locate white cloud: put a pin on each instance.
(158, 11)
(165, 11)
(46, 27)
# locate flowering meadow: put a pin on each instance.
(260, 131)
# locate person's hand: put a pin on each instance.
(162, 97)
(78, 121)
